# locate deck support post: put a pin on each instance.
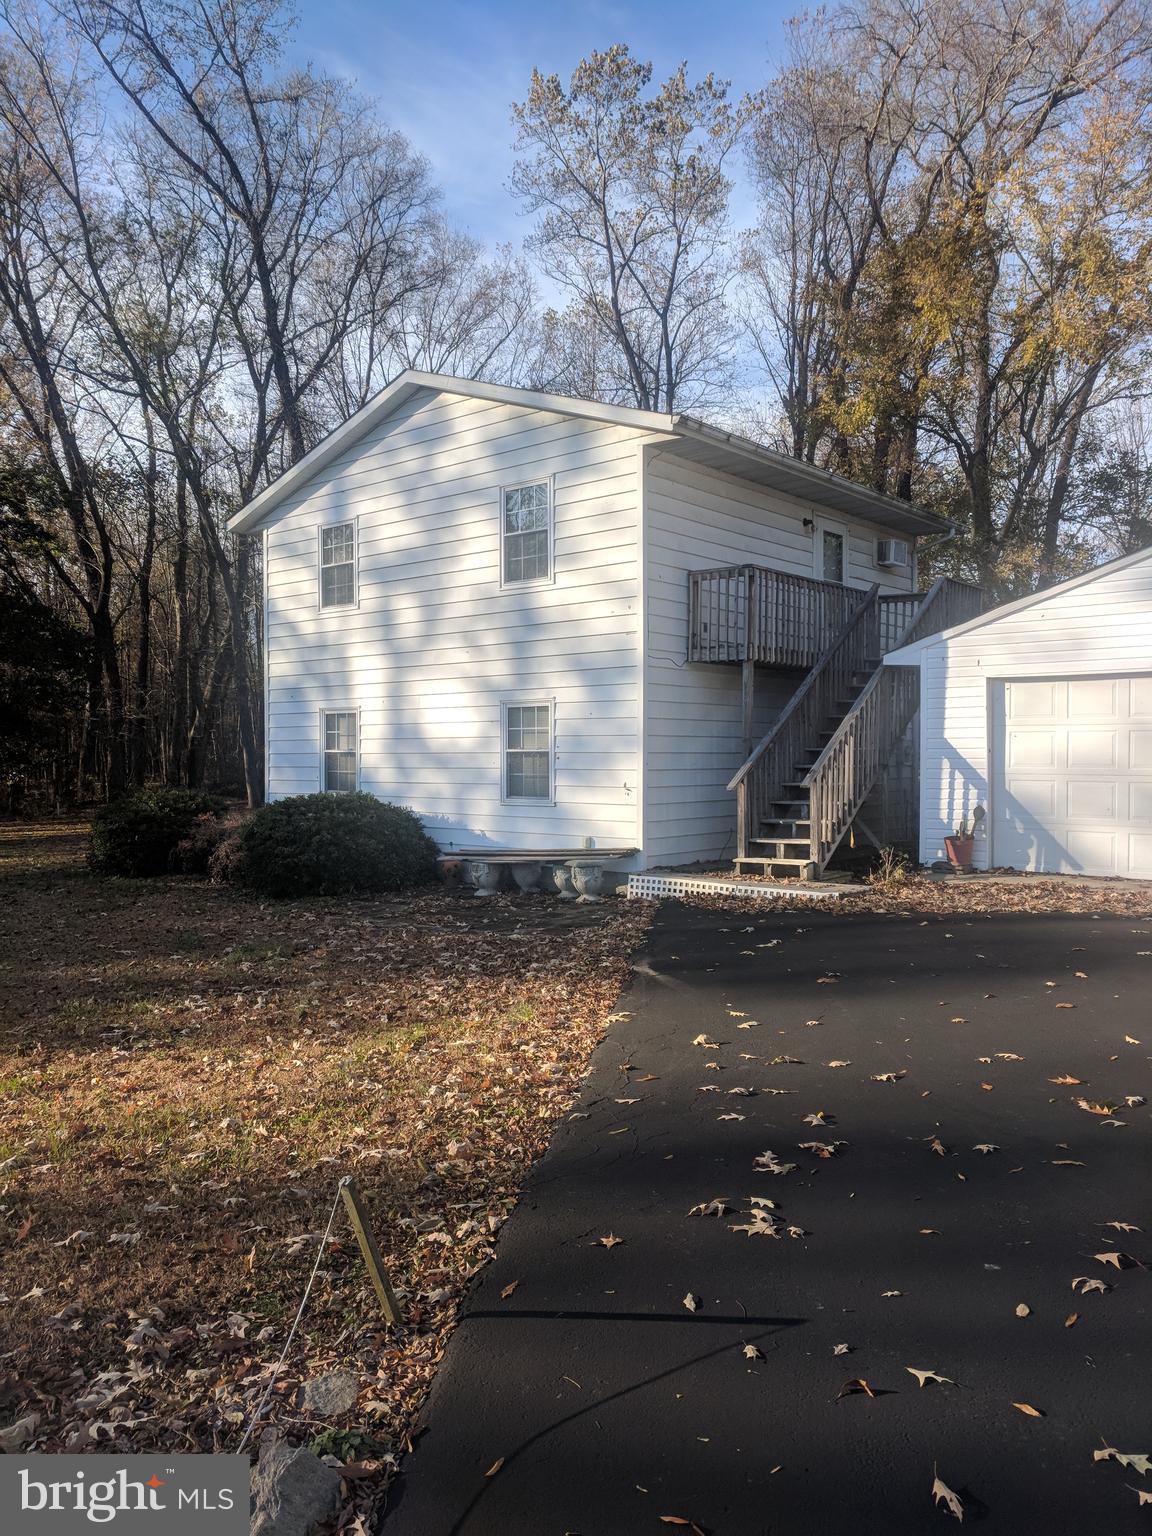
(748, 703)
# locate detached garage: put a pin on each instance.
(1041, 712)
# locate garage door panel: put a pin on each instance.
(1033, 701)
(1090, 799)
(1092, 698)
(1072, 775)
(1090, 749)
(1140, 751)
(1032, 749)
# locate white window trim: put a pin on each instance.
(521, 703)
(822, 526)
(537, 581)
(339, 709)
(341, 522)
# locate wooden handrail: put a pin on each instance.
(777, 760)
(740, 613)
(843, 775)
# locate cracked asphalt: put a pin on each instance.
(605, 1404)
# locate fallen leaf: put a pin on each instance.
(1023, 1310)
(610, 1240)
(1117, 1260)
(837, 1063)
(925, 1376)
(1138, 1461)
(495, 1467)
(891, 1293)
(717, 1207)
(985, 1147)
(1065, 1005)
(752, 1353)
(1068, 1081)
(679, 1520)
(816, 1118)
(1084, 1284)
(1072, 1319)
(857, 1384)
(987, 1087)
(841, 1349)
(1093, 1108)
(768, 1162)
(938, 1147)
(1131, 1040)
(1123, 1226)
(508, 1290)
(691, 1302)
(711, 1045)
(1067, 1162)
(927, 1232)
(1033, 1413)
(942, 1493)
(889, 1077)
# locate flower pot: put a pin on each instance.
(560, 877)
(588, 880)
(959, 851)
(485, 876)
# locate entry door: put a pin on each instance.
(1072, 775)
(830, 552)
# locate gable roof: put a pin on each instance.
(683, 436)
(910, 655)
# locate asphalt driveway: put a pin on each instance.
(581, 1395)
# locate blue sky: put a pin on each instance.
(445, 72)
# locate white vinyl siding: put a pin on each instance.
(338, 565)
(438, 643)
(341, 746)
(528, 752)
(526, 533)
(1099, 629)
(696, 519)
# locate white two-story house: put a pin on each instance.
(553, 626)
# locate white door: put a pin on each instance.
(1072, 775)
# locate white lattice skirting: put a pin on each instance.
(649, 886)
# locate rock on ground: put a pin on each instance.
(331, 1396)
(292, 1491)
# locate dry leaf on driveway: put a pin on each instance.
(1084, 1284)
(1023, 1310)
(1033, 1413)
(857, 1384)
(925, 1376)
(691, 1302)
(941, 1493)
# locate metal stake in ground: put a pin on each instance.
(362, 1226)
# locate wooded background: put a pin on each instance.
(208, 260)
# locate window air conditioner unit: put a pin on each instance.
(893, 552)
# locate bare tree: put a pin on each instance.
(632, 198)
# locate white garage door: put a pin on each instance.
(1072, 775)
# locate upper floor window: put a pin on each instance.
(338, 566)
(526, 533)
(528, 752)
(341, 769)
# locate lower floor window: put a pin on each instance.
(340, 751)
(528, 751)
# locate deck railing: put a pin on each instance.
(842, 777)
(750, 613)
(775, 762)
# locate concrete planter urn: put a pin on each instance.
(560, 878)
(589, 881)
(485, 877)
(527, 876)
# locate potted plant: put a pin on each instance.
(960, 845)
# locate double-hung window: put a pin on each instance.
(526, 533)
(340, 751)
(528, 752)
(338, 566)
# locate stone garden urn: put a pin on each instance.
(527, 876)
(560, 877)
(485, 876)
(589, 881)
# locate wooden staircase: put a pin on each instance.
(802, 787)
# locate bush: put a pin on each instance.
(139, 833)
(328, 844)
(226, 862)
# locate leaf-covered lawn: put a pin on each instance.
(184, 1076)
